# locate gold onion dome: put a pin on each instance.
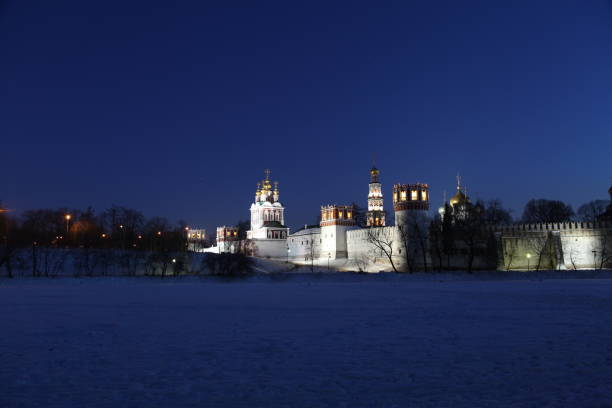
(458, 198)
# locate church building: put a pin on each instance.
(268, 232)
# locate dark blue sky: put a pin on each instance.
(176, 109)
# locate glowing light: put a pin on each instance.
(68, 217)
(528, 256)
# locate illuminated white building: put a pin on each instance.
(267, 213)
(268, 232)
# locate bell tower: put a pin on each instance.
(376, 214)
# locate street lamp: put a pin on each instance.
(328, 258)
(288, 252)
(528, 258)
(67, 217)
(594, 259)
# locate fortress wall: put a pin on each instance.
(334, 241)
(305, 244)
(359, 248)
(270, 248)
(571, 245)
(585, 248)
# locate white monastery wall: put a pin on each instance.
(572, 245)
(305, 244)
(270, 248)
(360, 248)
(333, 241)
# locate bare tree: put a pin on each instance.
(413, 234)
(572, 256)
(590, 211)
(470, 230)
(602, 248)
(383, 241)
(436, 243)
(510, 247)
(496, 214)
(361, 262)
(541, 246)
(311, 251)
(541, 210)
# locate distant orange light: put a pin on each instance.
(158, 232)
(68, 217)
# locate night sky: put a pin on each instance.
(176, 108)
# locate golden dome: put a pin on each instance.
(459, 198)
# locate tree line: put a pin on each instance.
(40, 239)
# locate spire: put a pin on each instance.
(458, 182)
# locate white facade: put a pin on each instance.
(305, 244)
(268, 232)
(333, 241)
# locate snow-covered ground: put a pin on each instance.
(306, 341)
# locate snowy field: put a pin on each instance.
(318, 341)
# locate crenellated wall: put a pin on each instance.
(570, 245)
